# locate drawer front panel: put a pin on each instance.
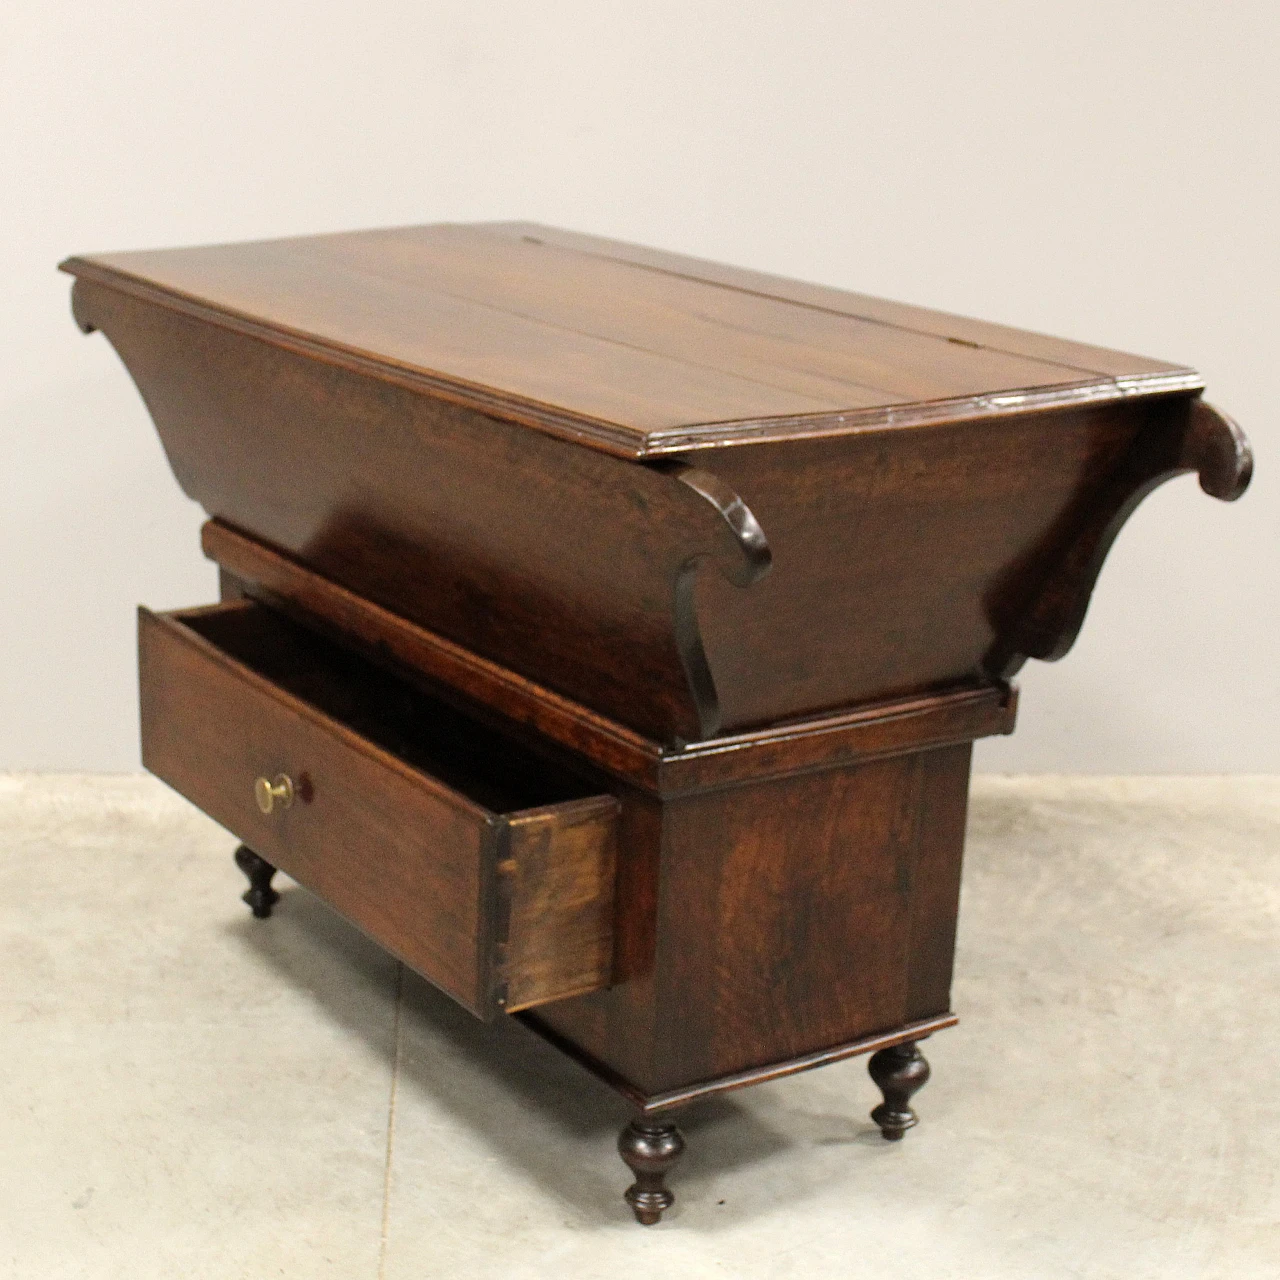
(404, 857)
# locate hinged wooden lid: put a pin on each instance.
(630, 350)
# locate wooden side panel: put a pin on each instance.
(791, 917)
(803, 890)
(403, 859)
(559, 562)
(558, 873)
(901, 561)
(935, 880)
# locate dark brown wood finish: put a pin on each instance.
(650, 1148)
(598, 347)
(259, 896)
(607, 630)
(500, 902)
(948, 716)
(916, 560)
(645, 592)
(960, 330)
(1038, 612)
(782, 919)
(898, 1072)
(652, 1104)
(561, 563)
(252, 566)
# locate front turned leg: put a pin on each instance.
(650, 1148)
(899, 1071)
(260, 895)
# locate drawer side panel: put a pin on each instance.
(559, 873)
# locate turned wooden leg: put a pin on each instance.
(650, 1148)
(898, 1071)
(260, 895)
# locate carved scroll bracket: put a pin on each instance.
(79, 309)
(740, 551)
(1204, 440)
(1216, 448)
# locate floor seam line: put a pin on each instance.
(391, 1123)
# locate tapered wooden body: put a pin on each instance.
(912, 545)
(729, 570)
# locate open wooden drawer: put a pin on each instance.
(484, 867)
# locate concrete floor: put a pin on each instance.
(192, 1093)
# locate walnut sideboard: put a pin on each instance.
(605, 631)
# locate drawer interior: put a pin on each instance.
(401, 718)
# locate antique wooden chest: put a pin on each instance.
(605, 631)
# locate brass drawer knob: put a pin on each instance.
(269, 794)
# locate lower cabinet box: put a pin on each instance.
(484, 867)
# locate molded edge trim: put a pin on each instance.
(920, 414)
(619, 439)
(650, 1103)
(870, 732)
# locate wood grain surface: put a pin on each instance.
(629, 349)
(428, 832)
(686, 598)
(770, 922)
(754, 557)
(946, 716)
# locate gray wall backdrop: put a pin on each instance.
(1102, 171)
